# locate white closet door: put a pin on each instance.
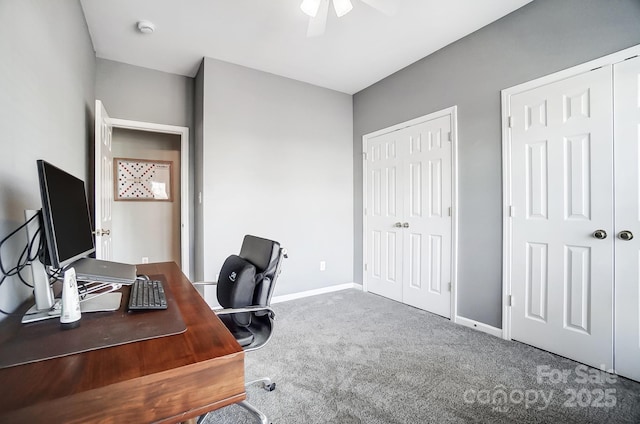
(384, 215)
(627, 183)
(562, 191)
(427, 203)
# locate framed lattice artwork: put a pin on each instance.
(141, 179)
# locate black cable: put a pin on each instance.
(13, 271)
(4, 240)
(22, 279)
(30, 257)
(40, 246)
(23, 262)
(53, 276)
(27, 256)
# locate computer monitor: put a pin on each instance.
(65, 216)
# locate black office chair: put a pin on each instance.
(244, 289)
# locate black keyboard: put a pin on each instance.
(146, 295)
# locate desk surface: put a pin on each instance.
(167, 379)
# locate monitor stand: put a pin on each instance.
(103, 303)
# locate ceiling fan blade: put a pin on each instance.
(342, 7)
(310, 7)
(388, 7)
(318, 24)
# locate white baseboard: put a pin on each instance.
(315, 292)
(478, 326)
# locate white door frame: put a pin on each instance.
(453, 112)
(506, 163)
(183, 132)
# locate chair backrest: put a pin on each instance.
(248, 279)
(266, 256)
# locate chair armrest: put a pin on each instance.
(245, 309)
(204, 283)
(200, 286)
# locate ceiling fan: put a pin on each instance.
(319, 9)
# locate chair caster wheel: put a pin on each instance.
(270, 387)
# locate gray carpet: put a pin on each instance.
(353, 357)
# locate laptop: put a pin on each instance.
(89, 269)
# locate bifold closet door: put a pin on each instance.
(627, 212)
(408, 214)
(384, 212)
(562, 217)
(427, 206)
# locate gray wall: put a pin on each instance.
(141, 94)
(47, 70)
(541, 38)
(148, 229)
(277, 158)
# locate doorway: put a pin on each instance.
(104, 184)
(147, 230)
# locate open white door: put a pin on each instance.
(103, 204)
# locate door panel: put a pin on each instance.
(428, 200)
(627, 178)
(103, 183)
(562, 185)
(577, 283)
(537, 282)
(435, 264)
(414, 255)
(385, 209)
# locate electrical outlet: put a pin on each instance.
(323, 265)
(145, 260)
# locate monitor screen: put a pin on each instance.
(65, 213)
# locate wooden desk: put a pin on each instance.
(166, 379)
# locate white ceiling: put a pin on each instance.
(356, 51)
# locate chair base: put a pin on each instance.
(255, 412)
(246, 405)
(265, 383)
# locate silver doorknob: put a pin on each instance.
(600, 234)
(102, 232)
(625, 235)
(397, 225)
(405, 225)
